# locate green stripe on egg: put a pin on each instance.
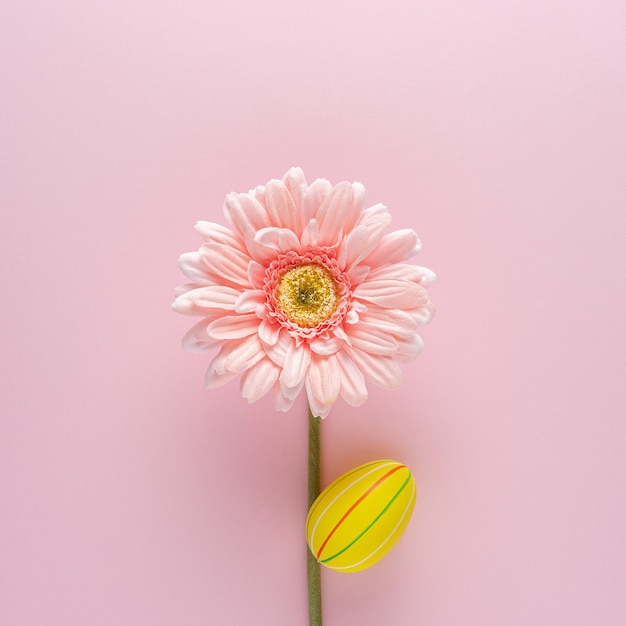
(360, 516)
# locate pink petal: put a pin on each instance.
(372, 340)
(291, 392)
(414, 273)
(424, 314)
(281, 207)
(184, 306)
(400, 324)
(281, 403)
(323, 379)
(314, 196)
(374, 314)
(234, 357)
(257, 251)
(318, 408)
(352, 317)
(383, 371)
(353, 389)
(376, 220)
(358, 274)
(394, 247)
(256, 274)
(243, 354)
(340, 333)
(296, 185)
(213, 297)
(258, 380)
(242, 209)
(427, 277)
(392, 293)
(295, 367)
(233, 327)
(353, 245)
(336, 215)
(181, 289)
(376, 217)
(269, 331)
(194, 269)
(358, 197)
(411, 347)
(250, 301)
(281, 239)
(400, 271)
(210, 231)
(225, 263)
(217, 374)
(278, 350)
(196, 338)
(326, 347)
(213, 380)
(259, 196)
(309, 234)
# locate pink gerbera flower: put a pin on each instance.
(307, 290)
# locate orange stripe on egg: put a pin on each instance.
(354, 505)
(341, 480)
(407, 511)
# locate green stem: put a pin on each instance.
(313, 567)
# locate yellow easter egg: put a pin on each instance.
(359, 517)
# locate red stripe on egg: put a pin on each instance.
(356, 503)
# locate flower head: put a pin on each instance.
(307, 290)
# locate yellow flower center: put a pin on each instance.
(307, 295)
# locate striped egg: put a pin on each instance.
(359, 517)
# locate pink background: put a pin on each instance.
(131, 495)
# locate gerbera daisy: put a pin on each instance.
(306, 290)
